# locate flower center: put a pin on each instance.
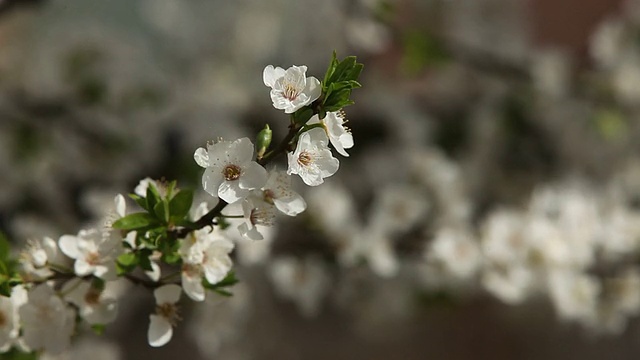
(261, 217)
(290, 92)
(268, 196)
(231, 172)
(170, 312)
(93, 258)
(3, 319)
(305, 158)
(92, 297)
(191, 270)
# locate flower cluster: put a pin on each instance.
(171, 247)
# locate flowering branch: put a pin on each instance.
(70, 278)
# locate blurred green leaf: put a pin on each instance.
(135, 221)
(180, 205)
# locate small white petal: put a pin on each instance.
(160, 331)
(249, 233)
(201, 157)
(167, 294)
(193, 288)
(271, 74)
(121, 205)
(292, 205)
(69, 246)
(154, 274)
(82, 268)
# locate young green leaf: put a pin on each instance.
(180, 204)
(135, 221)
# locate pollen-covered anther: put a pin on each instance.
(170, 312)
(305, 158)
(290, 92)
(92, 296)
(231, 172)
(261, 217)
(268, 195)
(93, 258)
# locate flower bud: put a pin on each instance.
(263, 140)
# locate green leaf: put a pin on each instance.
(161, 210)
(5, 247)
(142, 202)
(153, 197)
(180, 204)
(98, 329)
(135, 221)
(303, 115)
(343, 69)
(16, 354)
(330, 70)
(5, 287)
(144, 262)
(220, 287)
(128, 259)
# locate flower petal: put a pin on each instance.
(271, 74)
(201, 156)
(240, 151)
(254, 176)
(231, 192)
(291, 205)
(211, 180)
(121, 205)
(193, 287)
(249, 233)
(69, 246)
(313, 89)
(167, 294)
(160, 331)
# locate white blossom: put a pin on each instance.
(312, 159)
(304, 281)
(9, 318)
(166, 316)
(256, 213)
(94, 304)
(277, 191)
(205, 253)
(47, 322)
(339, 135)
(37, 257)
(291, 89)
(456, 252)
(95, 253)
(229, 171)
(574, 295)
